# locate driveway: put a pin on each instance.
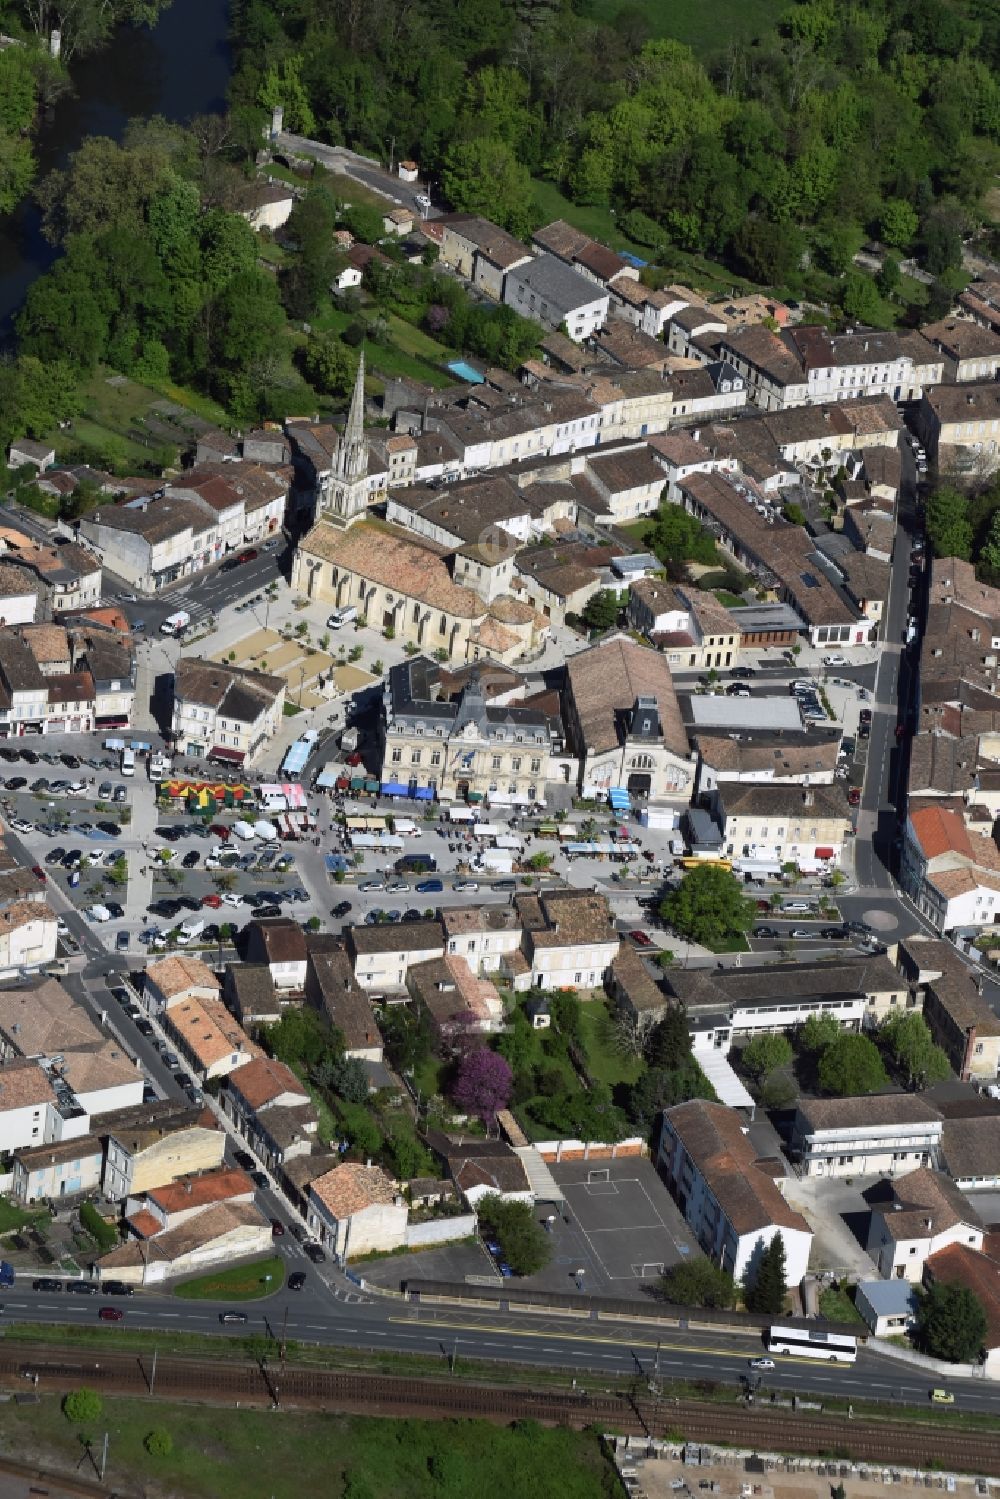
(835, 1211)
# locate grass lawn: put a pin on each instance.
(12, 1218)
(729, 944)
(591, 218)
(327, 1128)
(228, 1454)
(704, 28)
(605, 1063)
(837, 1306)
(240, 1283)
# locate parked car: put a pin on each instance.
(641, 939)
(371, 887)
(833, 933)
(46, 1283)
(315, 1252)
(191, 860)
(259, 1179)
(429, 887)
(81, 1288)
(244, 1159)
(341, 909)
(765, 933)
(214, 901)
(854, 796)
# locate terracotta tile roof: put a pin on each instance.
(197, 1233)
(713, 1137)
(567, 918)
(409, 565)
(883, 1108)
(209, 1031)
(40, 1019)
(24, 1083)
(23, 912)
(279, 937)
(921, 1197)
(959, 1265)
(608, 678)
(351, 1188)
(201, 1191)
(177, 974)
(144, 1224)
(263, 1080)
(107, 1066)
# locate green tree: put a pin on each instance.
(818, 1032)
(948, 525)
(484, 176)
(989, 552)
(282, 84)
(768, 1291)
(859, 298)
(951, 1323)
(669, 1042)
(525, 1245)
(765, 1054)
(709, 907)
(602, 609)
(660, 1088)
(159, 1442)
(329, 365)
(697, 1282)
(907, 1040)
(898, 223)
(850, 1066)
(104, 186)
(889, 277)
(83, 1405)
(17, 168)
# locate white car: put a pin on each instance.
(835, 660)
(21, 826)
(229, 899)
(762, 1363)
(99, 913)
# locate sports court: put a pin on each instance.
(624, 1226)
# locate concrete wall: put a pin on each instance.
(440, 1231)
(593, 1150)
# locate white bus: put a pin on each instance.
(812, 1342)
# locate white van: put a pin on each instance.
(190, 932)
(128, 762)
(341, 617)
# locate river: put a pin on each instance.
(178, 69)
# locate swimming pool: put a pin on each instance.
(466, 372)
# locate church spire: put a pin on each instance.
(355, 429)
(352, 451)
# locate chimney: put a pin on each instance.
(808, 796)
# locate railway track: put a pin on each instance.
(889, 1442)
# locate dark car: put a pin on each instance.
(240, 1317)
(112, 829)
(412, 914)
(833, 933)
(854, 796)
(72, 859)
(861, 928)
(117, 910)
(71, 762)
(188, 903)
(429, 887)
(190, 860)
(253, 898)
(16, 783)
(500, 885)
(296, 1280)
(744, 672)
(144, 1028)
(111, 1314)
(122, 942)
(212, 932)
(765, 932)
(864, 731)
(40, 785)
(165, 907)
(244, 1158)
(315, 1252)
(46, 1283)
(342, 908)
(865, 716)
(277, 1229)
(81, 1288)
(55, 856)
(259, 1179)
(268, 911)
(32, 756)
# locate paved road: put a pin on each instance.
(314, 1315)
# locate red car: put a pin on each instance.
(354, 759)
(640, 939)
(277, 1229)
(854, 796)
(215, 901)
(37, 869)
(111, 1314)
(221, 831)
(250, 555)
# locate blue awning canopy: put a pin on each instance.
(326, 779)
(394, 788)
(423, 793)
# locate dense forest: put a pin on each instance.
(845, 121)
